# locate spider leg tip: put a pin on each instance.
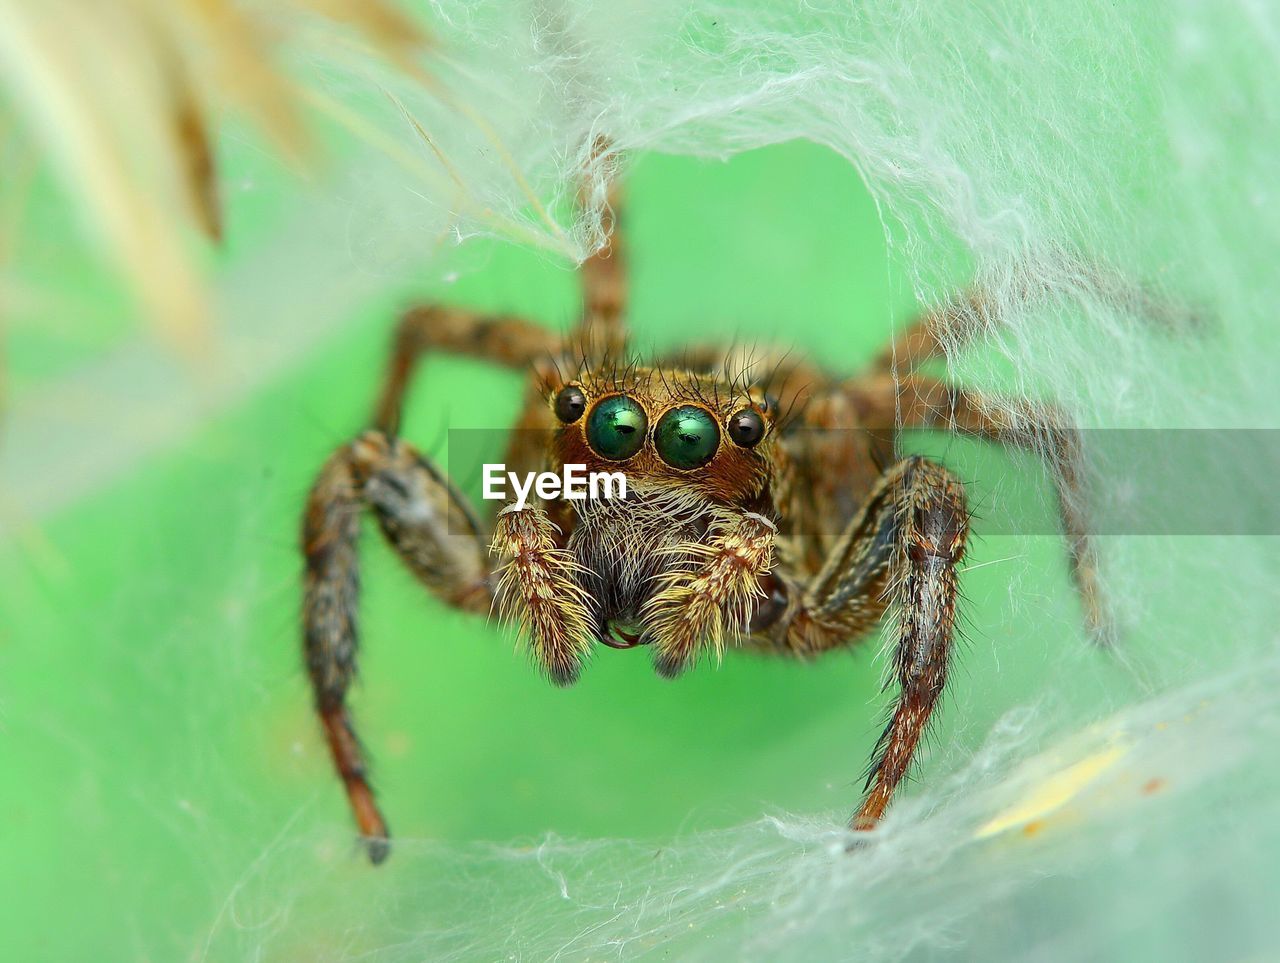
(378, 849)
(1103, 635)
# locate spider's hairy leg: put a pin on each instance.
(932, 527)
(433, 533)
(603, 275)
(709, 596)
(331, 527)
(425, 519)
(924, 402)
(540, 590)
(954, 323)
(899, 553)
(501, 339)
(960, 320)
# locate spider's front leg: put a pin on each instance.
(900, 551)
(433, 532)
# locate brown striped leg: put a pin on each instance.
(954, 323)
(602, 333)
(899, 553)
(924, 402)
(501, 339)
(960, 320)
(434, 534)
(932, 527)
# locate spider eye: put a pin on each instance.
(570, 404)
(687, 437)
(746, 428)
(616, 428)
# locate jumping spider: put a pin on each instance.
(740, 527)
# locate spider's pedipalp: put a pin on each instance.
(540, 591)
(708, 596)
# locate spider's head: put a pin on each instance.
(668, 429)
(693, 449)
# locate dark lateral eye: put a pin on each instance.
(616, 428)
(687, 437)
(570, 404)
(746, 428)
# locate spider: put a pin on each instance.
(794, 535)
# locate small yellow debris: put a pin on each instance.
(1054, 792)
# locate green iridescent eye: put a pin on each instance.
(687, 437)
(616, 428)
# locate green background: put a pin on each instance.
(155, 728)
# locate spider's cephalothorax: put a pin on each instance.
(702, 468)
(739, 527)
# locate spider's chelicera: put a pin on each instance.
(739, 527)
